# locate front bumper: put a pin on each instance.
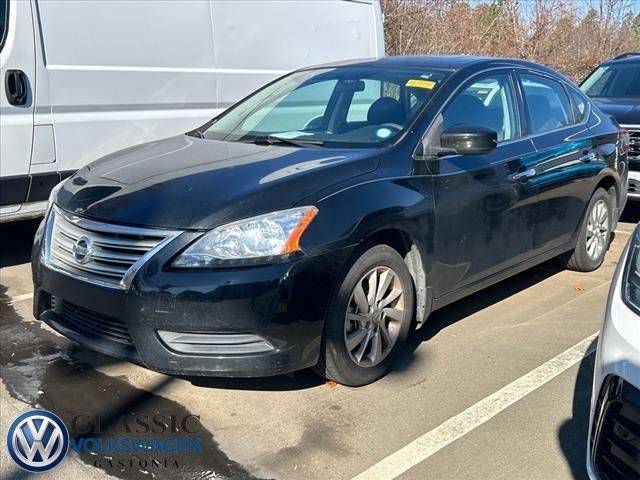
(280, 304)
(617, 372)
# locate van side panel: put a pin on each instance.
(16, 120)
(123, 73)
(255, 40)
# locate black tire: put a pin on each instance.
(336, 362)
(579, 258)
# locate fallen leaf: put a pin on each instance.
(330, 384)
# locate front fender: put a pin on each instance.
(350, 216)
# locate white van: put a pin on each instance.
(83, 79)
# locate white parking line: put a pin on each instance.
(19, 298)
(456, 427)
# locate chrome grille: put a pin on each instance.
(100, 253)
(616, 453)
(634, 147)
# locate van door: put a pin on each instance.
(146, 72)
(17, 69)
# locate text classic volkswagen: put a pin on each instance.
(315, 222)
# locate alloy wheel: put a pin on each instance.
(597, 230)
(374, 316)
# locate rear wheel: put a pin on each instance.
(368, 319)
(594, 237)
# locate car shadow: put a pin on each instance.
(449, 315)
(631, 212)
(17, 239)
(574, 432)
(300, 380)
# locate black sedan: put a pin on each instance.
(317, 221)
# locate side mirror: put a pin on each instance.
(469, 139)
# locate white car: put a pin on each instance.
(613, 452)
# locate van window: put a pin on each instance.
(547, 102)
(4, 20)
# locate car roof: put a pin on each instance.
(440, 62)
(628, 60)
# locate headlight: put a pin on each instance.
(52, 196)
(631, 278)
(259, 238)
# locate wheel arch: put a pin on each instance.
(407, 246)
(390, 211)
(609, 183)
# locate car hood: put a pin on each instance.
(624, 110)
(190, 183)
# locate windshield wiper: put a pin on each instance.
(196, 133)
(274, 140)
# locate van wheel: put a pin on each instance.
(594, 237)
(368, 318)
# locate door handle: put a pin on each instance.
(16, 87)
(524, 175)
(589, 157)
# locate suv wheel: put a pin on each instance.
(594, 237)
(368, 319)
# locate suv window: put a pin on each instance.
(488, 102)
(4, 20)
(547, 103)
(615, 81)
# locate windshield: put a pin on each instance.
(345, 106)
(613, 81)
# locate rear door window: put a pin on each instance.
(547, 103)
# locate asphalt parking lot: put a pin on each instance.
(495, 386)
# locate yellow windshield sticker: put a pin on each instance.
(414, 82)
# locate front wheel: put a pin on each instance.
(368, 319)
(594, 237)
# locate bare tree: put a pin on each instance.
(570, 35)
